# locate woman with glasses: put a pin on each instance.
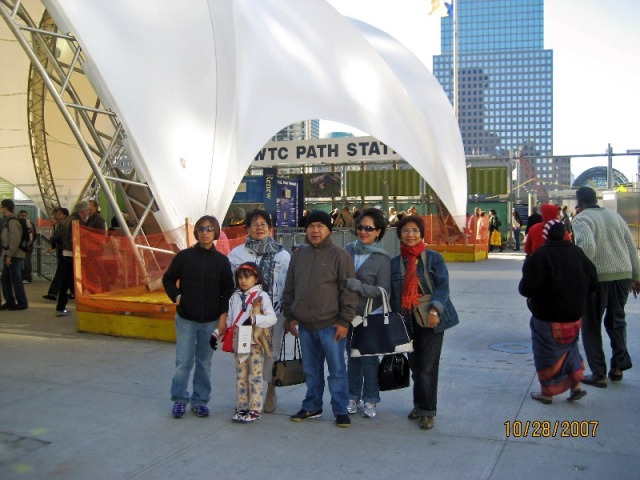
(200, 283)
(420, 291)
(371, 263)
(273, 261)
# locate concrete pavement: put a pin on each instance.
(80, 406)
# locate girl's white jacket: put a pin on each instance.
(242, 254)
(266, 319)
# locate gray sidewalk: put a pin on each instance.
(79, 406)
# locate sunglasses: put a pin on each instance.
(366, 228)
(207, 228)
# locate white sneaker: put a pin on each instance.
(369, 410)
(353, 406)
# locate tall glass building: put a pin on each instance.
(303, 130)
(505, 88)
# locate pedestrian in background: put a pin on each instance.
(532, 219)
(516, 222)
(15, 297)
(558, 281)
(27, 267)
(80, 214)
(60, 214)
(495, 238)
(606, 240)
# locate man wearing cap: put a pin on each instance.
(11, 278)
(606, 240)
(318, 309)
(80, 214)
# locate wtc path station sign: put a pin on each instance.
(324, 151)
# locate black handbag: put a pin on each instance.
(393, 372)
(288, 372)
(380, 334)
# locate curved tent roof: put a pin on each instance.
(199, 103)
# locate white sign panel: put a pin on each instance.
(323, 151)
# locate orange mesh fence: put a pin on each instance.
(109, 262)
(113, 275)
(442, 230)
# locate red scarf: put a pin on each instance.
(410, 288)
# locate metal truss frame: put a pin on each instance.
(96, 129)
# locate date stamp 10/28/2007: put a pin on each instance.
(551, 428)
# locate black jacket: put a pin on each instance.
(206, 283)
(558, 280)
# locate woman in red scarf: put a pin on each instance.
(420, 291)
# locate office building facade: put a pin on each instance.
(505, 87)
(303, 130)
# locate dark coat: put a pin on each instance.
(558, 280)
(315, 292)
(206, 283)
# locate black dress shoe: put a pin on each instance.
(7, 306)
(49, 297)
(599, 381)
(71, 296)
(18, 307)
(615, 377)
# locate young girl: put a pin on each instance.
(249, 305)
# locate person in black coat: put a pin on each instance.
(558, 280)
(532, 219)
(200, 283)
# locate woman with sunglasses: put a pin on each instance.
(372, 271)
(420, 290)
(273, 262)
(200, 283)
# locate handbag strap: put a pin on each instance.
(297, 353)
(386, 305)
(427, 277)
(249, 300)
(282, 345)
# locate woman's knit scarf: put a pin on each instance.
(361, 249)
(410, 287)
(267, 249)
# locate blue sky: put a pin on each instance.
(596, 48)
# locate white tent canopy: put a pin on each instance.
(199, 102)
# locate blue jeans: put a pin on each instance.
(192, 346)
(362, 373)
(12, 286)
(318, 346)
